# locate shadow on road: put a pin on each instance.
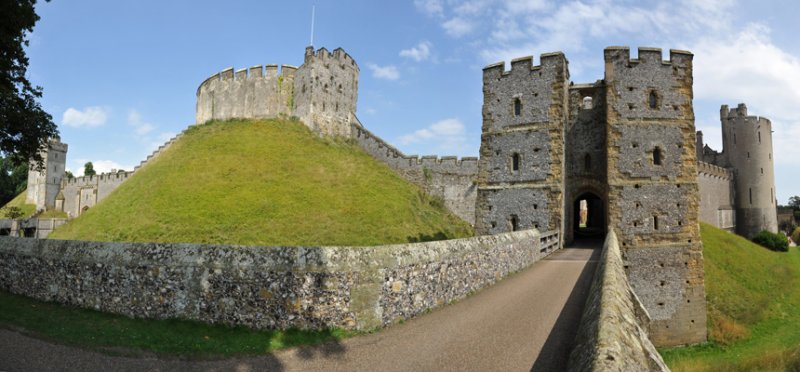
(555, 352)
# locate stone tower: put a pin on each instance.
(45, 183)
(326, 91)
(521, 166)
(653, 194)
(747, 149)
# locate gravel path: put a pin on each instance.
(527, 321)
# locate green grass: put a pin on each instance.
(52, 213)
(269, 182)
(119, 334)
(19, 201)
(753, 302)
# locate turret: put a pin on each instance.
(44, 183)
(747, 145)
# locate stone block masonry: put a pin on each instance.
(266, 287)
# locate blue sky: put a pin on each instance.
(120, 78)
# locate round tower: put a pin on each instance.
(747, 144)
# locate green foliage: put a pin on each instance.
(796, 235)
(88, 169)
(89, 328)
(753, 299)
(24, 126)
(13, 179)
(268, 182)
(69, 175)
(772, 241)
(12, 212)
(794, 202)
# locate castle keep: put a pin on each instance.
(623, 149)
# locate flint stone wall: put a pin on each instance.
(266, 287)
(613, 332)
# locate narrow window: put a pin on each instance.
(748, 154)
(657, 156)
(515, 162)
(514, 222)
(771, 196)
(762, 170)
(587, 162)
(734, 138)
(759, 137)
(751, 195)
(655, 222)
(517, 107)
(653, 99)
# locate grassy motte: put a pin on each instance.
(89, 328)
(753, 302)
(268, 182)
(19, 202)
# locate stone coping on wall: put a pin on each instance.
(612, 335)
(266, 287)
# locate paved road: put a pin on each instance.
(526, 322)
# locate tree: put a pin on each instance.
(25, 127)
(88, 169)
(69, 175)
(12, 212)
(794, 202)
(13, 179)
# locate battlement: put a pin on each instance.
(647, 56)
(714, 171)
(523, 65)
(323, 54)
(98, 178)
(253, 72)
(740, 111)
(55, 144)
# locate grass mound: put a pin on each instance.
(268, 182)
(19, 202)
(753, 302)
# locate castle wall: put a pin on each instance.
(447, 177)
(246, 93)
(653, 192)
(326, 91)
(747, 145)
(716, 196)
(266, 287)
(524, 118)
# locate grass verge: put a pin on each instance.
(120, 334)
(753, 306)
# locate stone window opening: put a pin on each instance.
(515, 162)
(653, 100)
(587, 103)
(587, 162)
(657, 156)
(517, 107)
(759, 137)
(751, 195)
(513, 221)
(304, 88)
(655, 222)
(340, 88)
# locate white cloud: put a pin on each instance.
(418, 53)
(90, 117)
(139, 126)
(388, 72)
(100, 166)
(447, 134)
(430, 7)
(458, 26)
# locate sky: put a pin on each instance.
(120, 78)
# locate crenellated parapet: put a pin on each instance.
(711, 170)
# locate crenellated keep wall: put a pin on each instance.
(716, 187)
(448, 177)
(266, 287)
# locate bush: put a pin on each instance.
(796, 235)
(772, 241)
